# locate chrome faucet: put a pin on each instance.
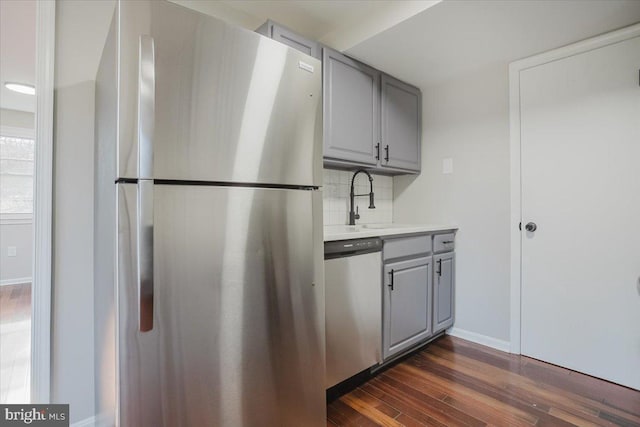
(353, 215)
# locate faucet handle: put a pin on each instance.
(357, 215)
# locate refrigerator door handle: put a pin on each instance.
(145, 254)
(146, 106)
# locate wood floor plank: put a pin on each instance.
(343, 415)
(500, 393)
(436, 409)
(575, 419)
(617, 420)
(402, 405)
(583, 385)
(579, 384)
(375, 403)
(370, 411)
(488, 389)
(562, 403)
(551, 390)
(453, 382)
(408, 421)
(402, 374)
(524, 387)
(513, 416)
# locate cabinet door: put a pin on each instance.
(407, 304)
(401, 117)
(295, 41)
(351, 109)
(443, 291)
(288, 37)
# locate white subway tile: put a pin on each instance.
(336, 198)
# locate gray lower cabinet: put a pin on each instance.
(401, 117)
(284, 35)
(418, 290)
(351, 110)
(406, 304)
(443, 291)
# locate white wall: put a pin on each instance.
(81, 28)
(72, 311)
(467, 119)
(457, 52)
(16, 269)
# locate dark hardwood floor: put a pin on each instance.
(453, 382)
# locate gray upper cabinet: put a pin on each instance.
(288, 37)
(351, 110)
(370, 119)
(443, 291)
(401, 109)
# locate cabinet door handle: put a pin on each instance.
(378, 151)
(446, 242)
(439, 268)
(391, 278)
(386, 156)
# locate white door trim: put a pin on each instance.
(514, 116)
(43, 213)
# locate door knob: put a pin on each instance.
(531, 226)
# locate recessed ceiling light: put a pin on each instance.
(21, 88)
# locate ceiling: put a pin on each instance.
(424, 42)
(339, 24)
(17, 51)
(455, 38)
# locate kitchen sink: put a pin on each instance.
(343, 228)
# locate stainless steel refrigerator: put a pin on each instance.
(209, 290)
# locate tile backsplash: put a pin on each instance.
(335, 195)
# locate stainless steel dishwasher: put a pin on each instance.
(353, 295)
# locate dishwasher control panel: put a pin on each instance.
(351, 247)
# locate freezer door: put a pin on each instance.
(237, 337)
(203, 100)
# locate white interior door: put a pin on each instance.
(580, 165)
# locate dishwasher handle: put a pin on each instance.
(391, 278)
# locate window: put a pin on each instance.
(16, 176)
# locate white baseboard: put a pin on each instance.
(480, 339)
(18, 281)
(87, 422)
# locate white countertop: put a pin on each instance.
(359, 231)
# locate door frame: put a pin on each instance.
(515, 157)
(43, 205)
